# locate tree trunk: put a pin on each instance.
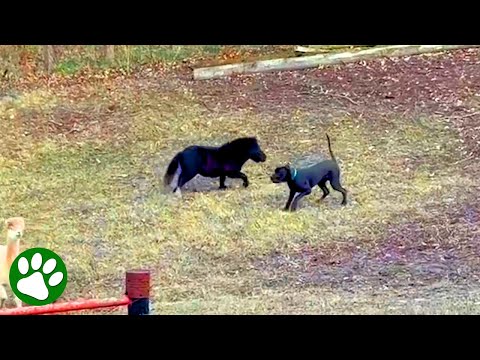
(305, 49)
(317, 60)
(109, 52)
(48, 58)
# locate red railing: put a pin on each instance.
(67, 306)
(137, 298)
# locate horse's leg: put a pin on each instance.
(222, 182)
(238, 175)
(184, 177)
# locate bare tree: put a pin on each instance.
(109, 52)
(49, 58)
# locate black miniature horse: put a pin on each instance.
(212, 162)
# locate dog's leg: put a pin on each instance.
(18, 302)
(335, 182)
(289, 201)
(299, 197)
(239, 175)
(222, 182)
(324, 188)
(3, 295)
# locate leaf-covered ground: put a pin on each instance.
(82, 159)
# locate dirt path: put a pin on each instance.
(445, 85)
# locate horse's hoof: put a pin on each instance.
(223, 188)
(178, 193)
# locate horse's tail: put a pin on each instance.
(330, 148)
(171, 170)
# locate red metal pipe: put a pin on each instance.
(67, 306)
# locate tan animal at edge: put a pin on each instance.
(8, 253)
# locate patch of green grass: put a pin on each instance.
(69, 67)
(166, 53)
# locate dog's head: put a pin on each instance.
(15, 227)
(281, 174)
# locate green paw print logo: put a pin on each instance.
(38, 276)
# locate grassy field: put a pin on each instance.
(82, 160)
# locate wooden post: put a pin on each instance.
(48, 58)
(137, 284)
(109, 52)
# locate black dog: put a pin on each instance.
(303, 180)
(224, 161)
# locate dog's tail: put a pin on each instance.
(171, 170)
(330, 148)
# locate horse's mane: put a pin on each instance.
(240, 144)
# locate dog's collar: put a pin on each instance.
(294, 174)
